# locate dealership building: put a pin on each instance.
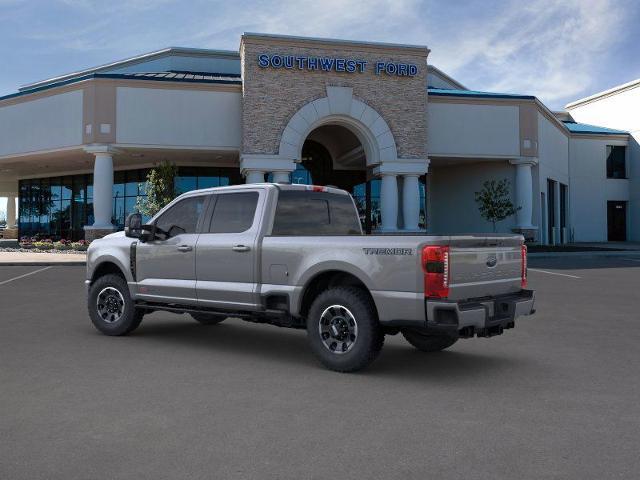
(410, 143)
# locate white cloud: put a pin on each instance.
(546, 48)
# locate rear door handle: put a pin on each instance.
(240, 248)
(185, 248)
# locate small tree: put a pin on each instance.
(494, 201)
(160, 189)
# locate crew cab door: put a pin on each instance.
(226, 254)
(166, 269)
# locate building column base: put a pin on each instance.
(10, 234)
(92, 233)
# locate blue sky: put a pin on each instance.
(556, 50)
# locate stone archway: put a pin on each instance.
(339, 107)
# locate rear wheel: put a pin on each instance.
(343, 329)
(111, 308)
(428, 343)
(208, 318)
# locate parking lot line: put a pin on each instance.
(25, 275)
(553, 273)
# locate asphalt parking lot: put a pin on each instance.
(557, 397)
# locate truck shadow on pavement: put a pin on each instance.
(286, 346)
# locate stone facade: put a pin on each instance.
(272, 96)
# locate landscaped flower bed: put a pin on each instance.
(42, 245)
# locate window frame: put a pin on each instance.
(327, 196)
(625, 160)
(199, 223)
(213, 203)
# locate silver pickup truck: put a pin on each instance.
(295, 256)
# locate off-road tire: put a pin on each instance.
(208, 318)
(368, 340)
(428, 343)
(130, 317)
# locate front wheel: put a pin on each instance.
(343, 329)
(111, 308)
(428, 343)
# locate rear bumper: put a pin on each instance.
(481, 317)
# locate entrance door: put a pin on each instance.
(551, 211)
(617, 221)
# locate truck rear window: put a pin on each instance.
(308, 213)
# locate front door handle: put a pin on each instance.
(240, 248)
(185, 248)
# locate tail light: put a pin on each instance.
(523, 266)
(435, 264)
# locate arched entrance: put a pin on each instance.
(333, 155)
(340, 140)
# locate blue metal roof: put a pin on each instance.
(188, 77)
(444, 92)
(575, 127)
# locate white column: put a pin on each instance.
(389, 202)
(411, 202)
(11, 212)
(255, 176)
(281, 177)
(103, 190)
(524, 193)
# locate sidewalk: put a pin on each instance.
(38, 259)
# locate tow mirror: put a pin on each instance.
(133, 225)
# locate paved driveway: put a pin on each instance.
(558, 397)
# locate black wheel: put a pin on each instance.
(343, 329)
(110, 306)
(208, 318)
(428, 343)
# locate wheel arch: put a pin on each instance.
(106, 267)
(326, 279)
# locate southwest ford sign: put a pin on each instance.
(333, 64)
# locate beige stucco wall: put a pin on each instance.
(45, 123)
(272, 96)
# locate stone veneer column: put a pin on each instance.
(102, 192)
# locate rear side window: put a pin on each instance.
(234, 212)
(307, 213)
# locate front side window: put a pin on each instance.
(234, 212)
(616, 165)
(182, 217)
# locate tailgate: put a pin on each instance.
(484, 267)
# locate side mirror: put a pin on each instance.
(133, 225)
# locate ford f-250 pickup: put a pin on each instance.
(295, 256)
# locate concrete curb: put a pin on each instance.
(617, 253)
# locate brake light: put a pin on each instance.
(523, 266)
(435, 264)
(316, 188)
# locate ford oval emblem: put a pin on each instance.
(492, 261)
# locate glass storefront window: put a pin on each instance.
(60, 207)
